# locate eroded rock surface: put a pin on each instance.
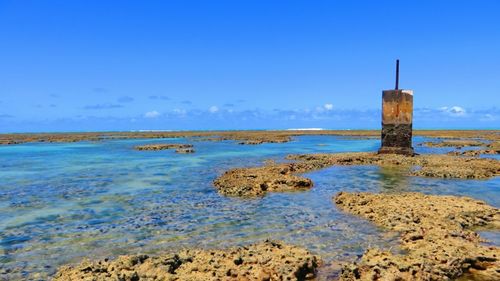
(474, 153)
(435, 232)
(184, 150)
(163, 146)
(244, 137)
(454, 143)
(263, 261)
(256, 181)
(427, 165)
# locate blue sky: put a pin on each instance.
(126, 65)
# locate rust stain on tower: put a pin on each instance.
(397, 120)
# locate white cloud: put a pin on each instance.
(152, 114)
(213, 109)
(328, 106)
(180, 111)
(488, 117)
(454, 111)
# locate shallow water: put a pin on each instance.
(62, 202)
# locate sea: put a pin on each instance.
(62, 202)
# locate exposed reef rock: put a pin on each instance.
(264, 261)
(244, 137)
(473, 153)
(428, 165)
(163, 146)
(454, 143)
(492, 148)
(266, 140)
(184, 150)
(256, 181)
(435, 232)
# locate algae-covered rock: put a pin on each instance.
(184, 150)
(268, 260)
(474, 153)
(436, 232)
(163, 146)
(454, 143)
(273, 177)
(257, 181)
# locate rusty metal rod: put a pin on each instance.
(397, 74)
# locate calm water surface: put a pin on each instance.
(62, 202)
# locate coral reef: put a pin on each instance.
(162, 146)
(243, 137)
(268, 260)
(436, 232)
(454, 143)
(256, 181)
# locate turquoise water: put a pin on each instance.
(62, 202)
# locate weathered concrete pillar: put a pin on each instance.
(397, 120)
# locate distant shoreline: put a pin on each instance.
(244, 136)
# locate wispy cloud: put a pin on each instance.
(152, 114)
(102, 106)
(454, 111)
(125, 99)
(5, 116)
(488, 118)
(328, 106)
(213, 109)
(186, 102)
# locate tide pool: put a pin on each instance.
(62, 202)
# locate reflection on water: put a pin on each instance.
(393, 179)
(62, 202)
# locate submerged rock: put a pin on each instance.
(272, 177)
(435, 232)
(184, 150)
(268, 260)
(163, 146)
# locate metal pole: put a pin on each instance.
(397, 74)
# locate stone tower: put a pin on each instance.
(397, 119)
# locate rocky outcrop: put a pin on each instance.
(427, 165)
(244, 137)
(436, 232)
(454, 143)
(257, 181)
(268, 260)
(184, 150)
(163, 146)
(474, 153)
(273, 177)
